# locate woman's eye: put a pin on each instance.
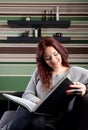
(55, 54)
(47, 58)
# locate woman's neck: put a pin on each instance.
(60, 70)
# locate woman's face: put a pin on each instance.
(52, 57)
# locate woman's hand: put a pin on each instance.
(76, 88)
(37, 102)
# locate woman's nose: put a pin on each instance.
(53, 59)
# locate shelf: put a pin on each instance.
(31, 39)
(38, 24)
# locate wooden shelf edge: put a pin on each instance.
(32, 39)
(38, 24)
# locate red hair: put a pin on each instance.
(45, 72)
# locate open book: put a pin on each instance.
(51, 104)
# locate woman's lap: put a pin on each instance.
(25, 120)
(77, 119)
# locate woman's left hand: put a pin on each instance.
(76, 88)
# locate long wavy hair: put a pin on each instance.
(45, 72)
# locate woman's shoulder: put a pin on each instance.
(35, 74)
(75, 68)
(77, 73)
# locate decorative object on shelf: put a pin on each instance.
(37, 32)
(57, 13)
(58, 35)
(44, 15)
(25, 34)
(51, 16)
(28, 18)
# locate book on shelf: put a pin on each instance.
(55, 100)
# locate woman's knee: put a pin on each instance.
(21, 119)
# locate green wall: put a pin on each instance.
(14, 83)
(15, 77)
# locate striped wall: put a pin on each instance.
(17, 60)
(43, 1)
(78, 30)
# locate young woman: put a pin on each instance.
(52, 67)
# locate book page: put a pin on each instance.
(21, 101)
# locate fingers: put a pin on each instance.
(76, 88)
(77, 83)
(81, 87)
(73, 91)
